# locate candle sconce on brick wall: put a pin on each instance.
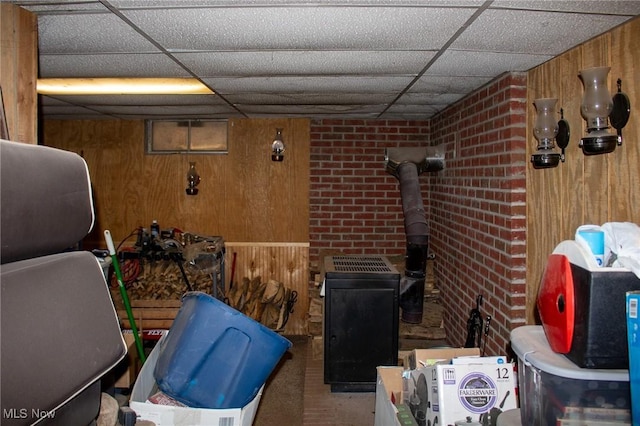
(547, 130)
(598, 108)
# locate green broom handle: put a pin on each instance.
(123, 293)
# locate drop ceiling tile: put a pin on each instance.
(425, 110)
(110, 65)
(166, 111)
(142, 100)
(301, 28)
(405, 116)
(612, 7)
(429, 98)
(64, 107)
(299, 110)
(51, 101)
(89, 33)
(280, 63)
(308, 58)
(309, 98)
(538, 33)
(61, 7)
(456, 63)
(69, 112)
(151, 4)
(436, 84)
(303, 85)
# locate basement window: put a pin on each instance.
(182, 136)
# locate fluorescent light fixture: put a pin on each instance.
(122, 86)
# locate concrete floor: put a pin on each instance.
(295, 394)
(324, 408)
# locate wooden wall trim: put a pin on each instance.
(256, 244)
(19, 71)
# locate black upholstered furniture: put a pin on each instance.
(59, 330)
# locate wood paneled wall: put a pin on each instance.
(244, 196)
(584, 189)
(19, 71)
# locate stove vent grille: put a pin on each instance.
(369, 264)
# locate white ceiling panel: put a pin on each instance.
(164, 4)
(308, 85)
(57, 8)
(316, 110)
(421, 99)
(458, 85)
(300, 28)
(320, 99)
(71, 112)
(316, 63)
(414, 112)
(110, 65)
(406, 59)
(89, 33)
(142, 100)
(540, 33)
(457, 63)
(196, 111)
(606, 7)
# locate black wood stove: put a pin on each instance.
(361, 316)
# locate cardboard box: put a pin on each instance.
(388, 389)
(165, 415)
(457, 392)
(390, 386)
(423, 357)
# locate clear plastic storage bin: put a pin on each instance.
(555, 391)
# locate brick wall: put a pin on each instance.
(476, 205)
(477, 209)
(355, 205)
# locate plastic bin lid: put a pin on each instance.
(530, 344)
(556, 303)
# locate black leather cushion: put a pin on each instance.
(60, 332)
(45, 202)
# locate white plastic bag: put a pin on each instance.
(622, 245)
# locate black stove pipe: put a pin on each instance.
(416, 230)
(406, 164)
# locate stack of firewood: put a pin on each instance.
(163, 280)
(266, 302)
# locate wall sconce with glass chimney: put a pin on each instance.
(546, 129)
(277, 147)
(598, 108)
(193, 179)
